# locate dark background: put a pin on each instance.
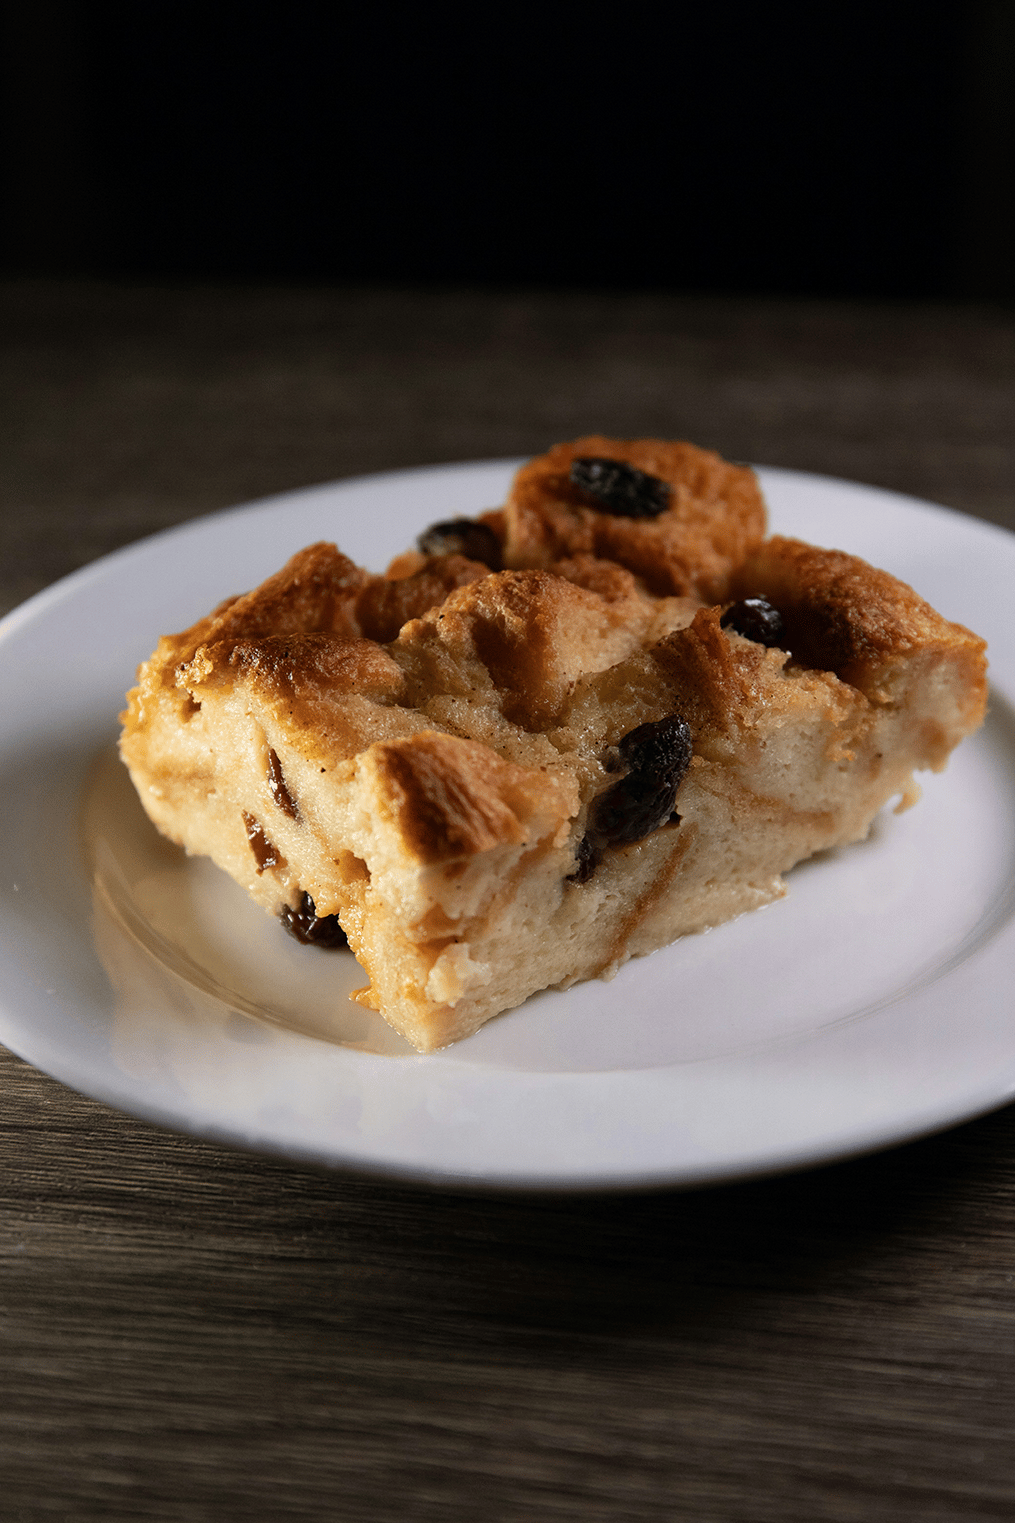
(858, 151)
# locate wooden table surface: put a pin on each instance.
(189, 1333)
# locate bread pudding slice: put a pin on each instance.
(503, 781)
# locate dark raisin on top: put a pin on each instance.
(657, 756)
(463, 536)
(312, 929)
(619, 488)
(756, 620)
(277, 787)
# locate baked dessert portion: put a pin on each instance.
(502, 781)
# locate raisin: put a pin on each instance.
(266, 854)
(463, 536)
(277, 787)
(312, 929)
(657, 756)
(619, 488)
(756, 620)
(586, 861)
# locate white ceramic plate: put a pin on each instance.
(872, 1005)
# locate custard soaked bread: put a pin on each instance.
(495, 781)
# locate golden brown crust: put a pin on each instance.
(315, 590)
(319, 591)
(716, 516)
(845, 616)
(701, 671)
(300, 666)
(386, 602)
(450, 798)
(608, 580)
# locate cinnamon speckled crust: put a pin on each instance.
(843, 615)
(716, 516)
(315, 590)
(385, 604)
(452, 799)
(319, 590)
(299, 668)
(420, 753)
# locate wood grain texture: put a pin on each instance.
(190, 1334)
